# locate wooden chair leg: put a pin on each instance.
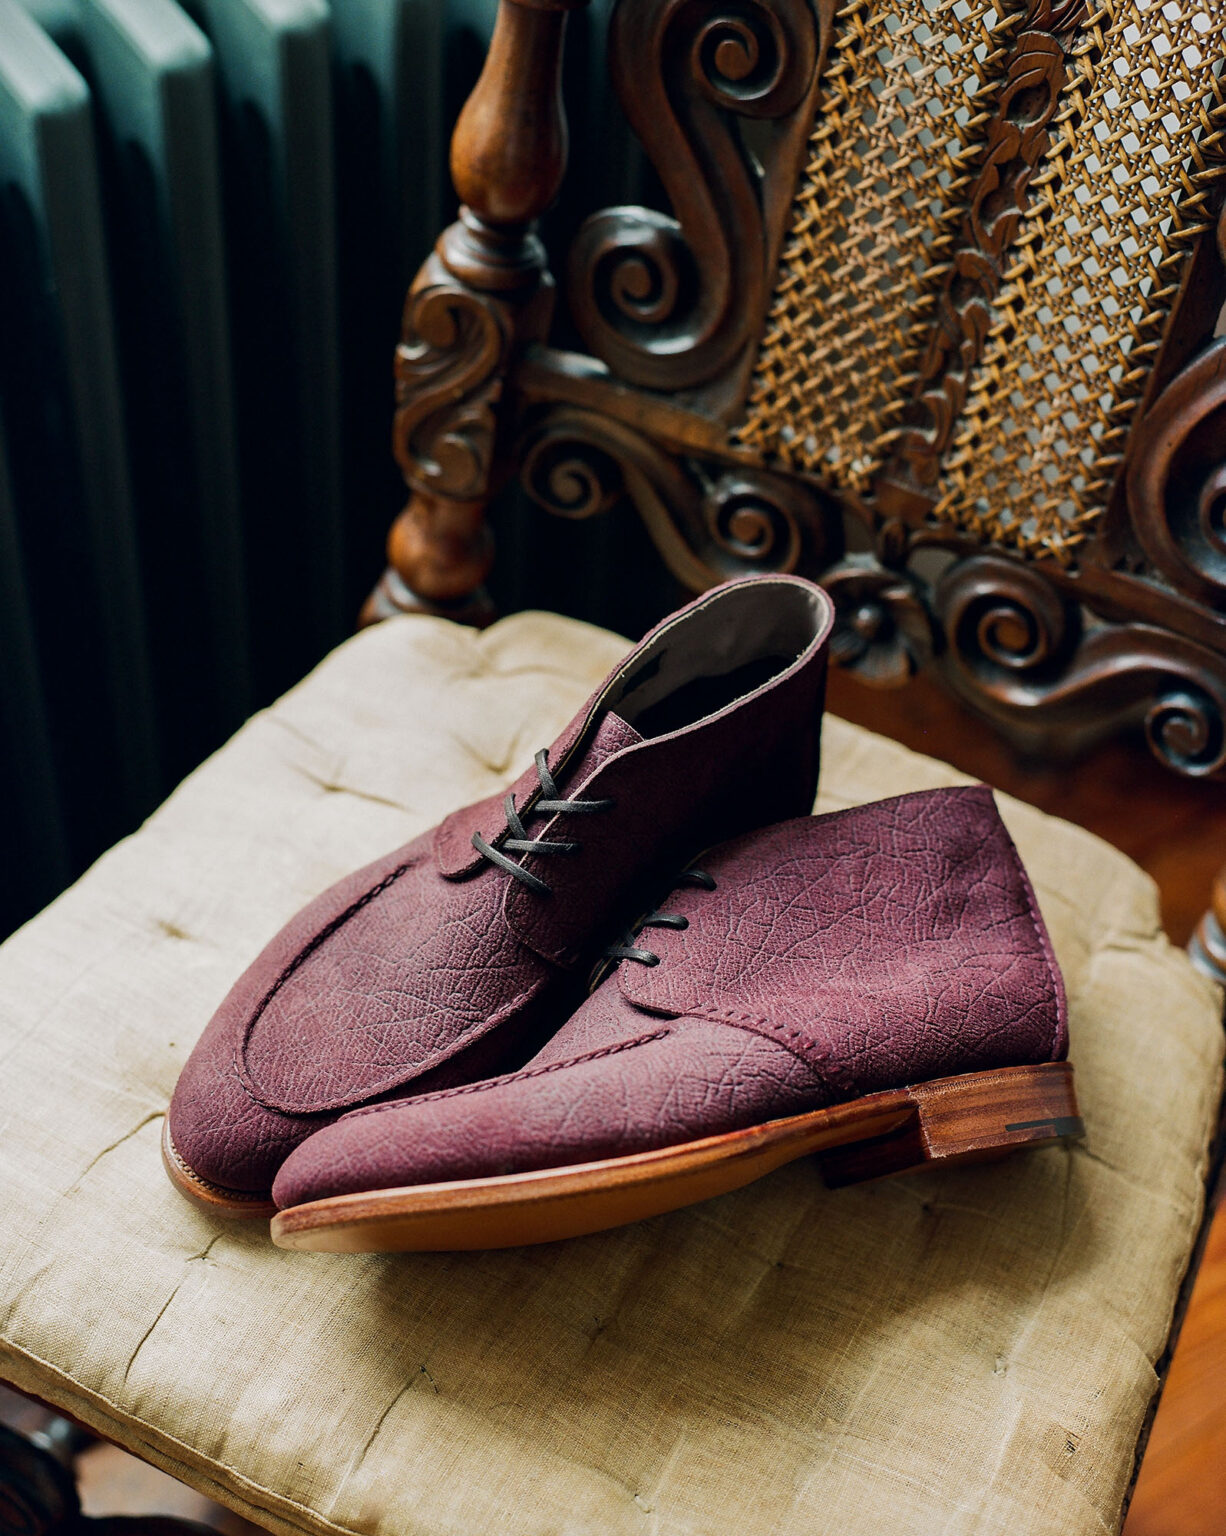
(1208, 944)
(483, 294)
(37, 1493)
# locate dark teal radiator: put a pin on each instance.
(209, 213)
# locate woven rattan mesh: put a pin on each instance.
(1122, 194)
(907, 96)
(1114, 206)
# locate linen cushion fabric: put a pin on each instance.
(965, 1351)
(832, 957)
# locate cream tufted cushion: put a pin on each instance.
(970, 1351)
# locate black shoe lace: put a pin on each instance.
(627, 949)
(520, 842)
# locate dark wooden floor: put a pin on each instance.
(1174, 829)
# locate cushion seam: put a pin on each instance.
(195, 1457)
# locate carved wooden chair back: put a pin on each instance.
(930, 317)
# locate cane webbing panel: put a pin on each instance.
(1122, 194)
(1114, 207)
(907, 98)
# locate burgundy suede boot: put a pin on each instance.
(875, 985)
(435, 964)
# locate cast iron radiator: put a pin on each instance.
(209, 212)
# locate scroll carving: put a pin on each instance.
(882, 630)
(449, 366)
(1016, 142)
(448, 379)
(708, 522)
(1176, 482)
(1016, 644)
(671, 301)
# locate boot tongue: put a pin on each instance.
(453, 847)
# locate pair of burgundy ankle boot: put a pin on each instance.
(875, 986)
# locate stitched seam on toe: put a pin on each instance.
(304, 954)
(794, 1040)
(511, 1077)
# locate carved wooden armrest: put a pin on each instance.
(484, 293)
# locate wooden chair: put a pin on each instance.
(931, 318)
(934, 319)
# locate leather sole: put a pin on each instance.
(973, 1118)
(233, 1204)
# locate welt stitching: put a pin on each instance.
(511, 1077)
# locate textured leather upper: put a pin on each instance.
(395, 983)
(431, 965)
(911, 921)
(837, 956)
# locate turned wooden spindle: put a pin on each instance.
(508, 151)
(482, 295)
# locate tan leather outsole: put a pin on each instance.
(976, 1117)
(233, 1204)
